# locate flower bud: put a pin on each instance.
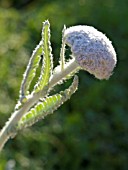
(92, 50)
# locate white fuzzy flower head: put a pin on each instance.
(92, 50)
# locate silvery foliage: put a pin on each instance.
(91, 51)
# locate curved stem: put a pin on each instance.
(9, 130)
(70, 67)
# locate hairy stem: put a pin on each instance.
(70, 67)
(9, 130)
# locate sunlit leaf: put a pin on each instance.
(31, 70)
(48, 106)
(47, 62)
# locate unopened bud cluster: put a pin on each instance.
(92, 50)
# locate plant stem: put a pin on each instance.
(69, 68)
(9, 130)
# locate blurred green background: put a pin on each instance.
(90, 131)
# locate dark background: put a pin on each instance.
(90, 131)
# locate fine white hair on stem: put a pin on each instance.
(92, 50)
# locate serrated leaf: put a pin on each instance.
(40, 110)
(68, 92)
(47, 63)
(31, 70)
(48, 106)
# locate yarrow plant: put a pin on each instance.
(91, 51)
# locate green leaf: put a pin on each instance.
(31, 70)
(48, 106)
(40, 110)
(68, 92)
(47, 63)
